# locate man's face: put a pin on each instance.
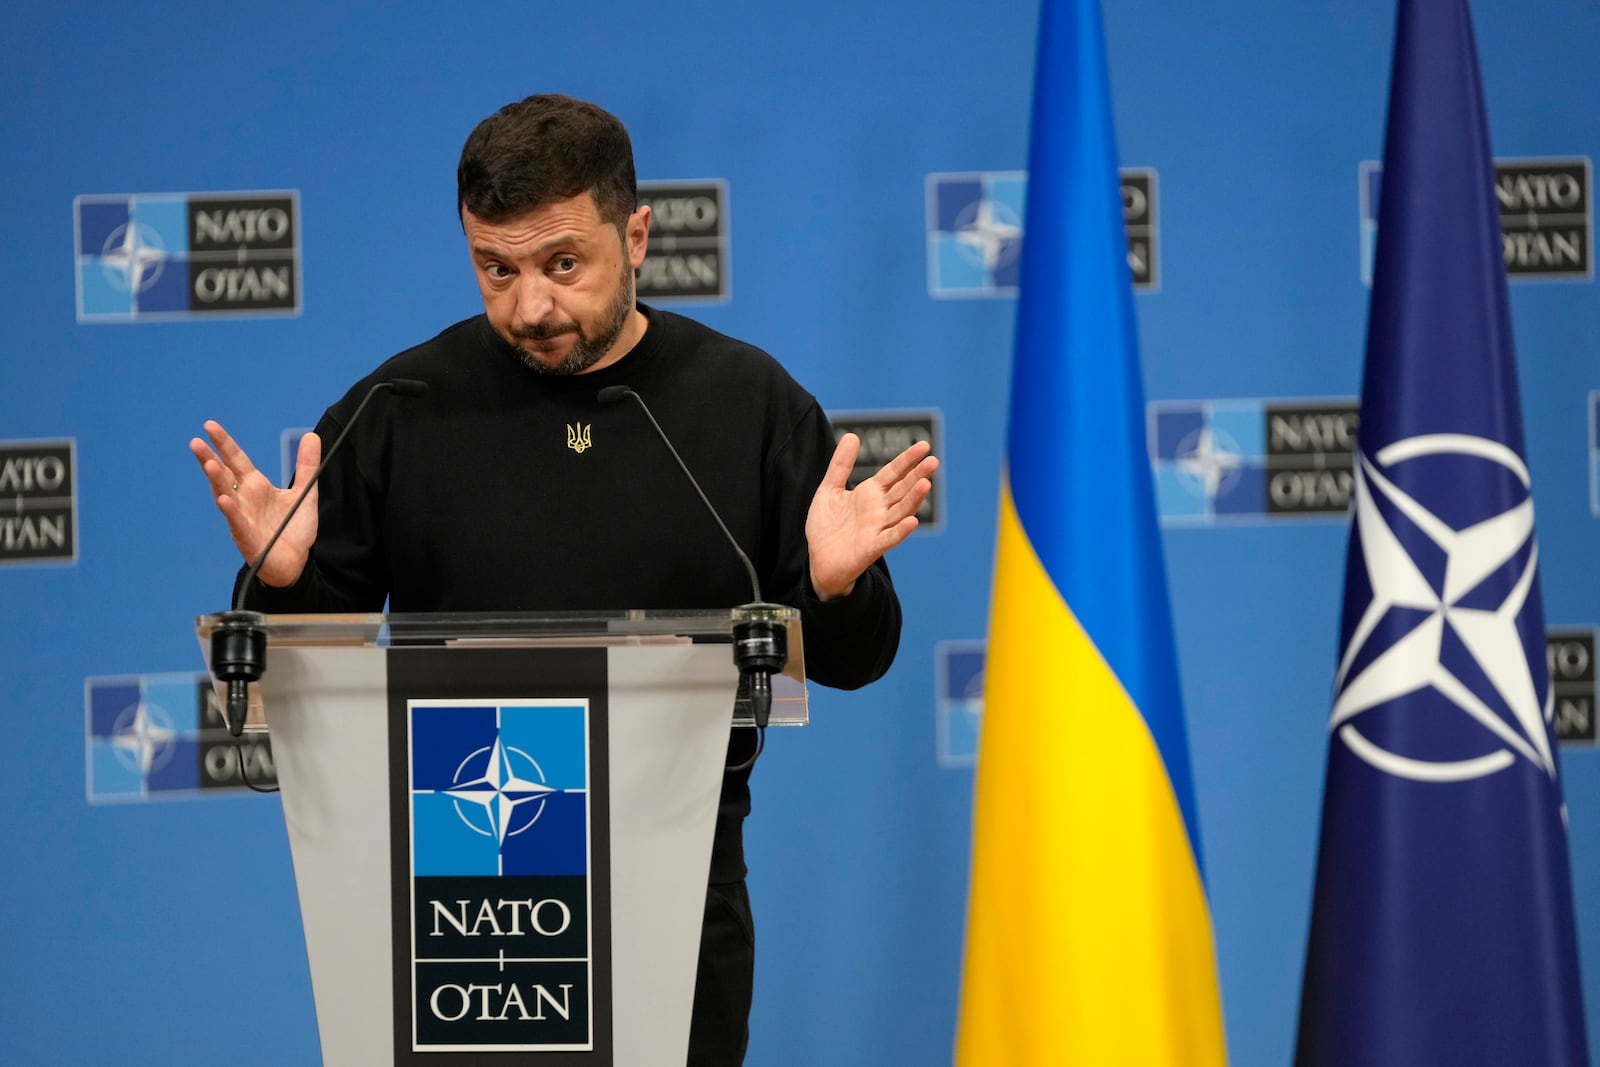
(557, 283)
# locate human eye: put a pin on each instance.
(564, 264)
(496, 271)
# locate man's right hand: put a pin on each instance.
(254, 506)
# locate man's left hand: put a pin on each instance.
(848, 529)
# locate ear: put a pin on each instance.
(638, 234)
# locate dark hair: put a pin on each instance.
(542, 149)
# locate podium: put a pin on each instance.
(501, 825)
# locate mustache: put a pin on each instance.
(544, 331)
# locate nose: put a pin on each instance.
(535, 299)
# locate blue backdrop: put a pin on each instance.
(167, 932)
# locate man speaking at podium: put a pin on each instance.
(508, 487)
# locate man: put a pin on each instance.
(508, 487)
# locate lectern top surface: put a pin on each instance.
(383, 630)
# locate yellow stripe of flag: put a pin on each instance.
(1089, 937)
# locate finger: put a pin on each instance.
(843, 462)
(233, 457)
(909, 503)
(204, 455)
(894, 535)
(222, 483)
(923, 472)
(245, 530)
(307, 456)
(220, 480)
(901, 465)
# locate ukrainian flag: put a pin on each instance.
(1088, 931)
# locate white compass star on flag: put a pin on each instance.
(1489, 634)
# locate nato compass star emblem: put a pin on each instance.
(133, 257)
(975, 232)
(143, 738)
(990, 232)
(1208, 461)
(501, 801)
(1438, 652)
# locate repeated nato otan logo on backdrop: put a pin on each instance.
(975, 229)
(38, 501)
(1572, 681)
(162, 736)
(186, 255)
(501, 846)
(1218, 461)
(1546, 217)
(688, 252)
(884, 434)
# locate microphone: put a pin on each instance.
(760, 643)
(238, 644)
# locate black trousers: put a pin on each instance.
(719, 1029)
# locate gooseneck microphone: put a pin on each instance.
(238, 644)
(760, 643)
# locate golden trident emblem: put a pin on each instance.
(578, 436)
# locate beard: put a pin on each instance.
(589, 347)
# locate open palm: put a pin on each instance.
(848, 529)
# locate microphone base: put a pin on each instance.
(238, 657)
(760, 650)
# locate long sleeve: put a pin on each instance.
(852, 640)
(346, 570)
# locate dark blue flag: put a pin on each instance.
(1442, 929)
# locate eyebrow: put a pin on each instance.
(545, 249)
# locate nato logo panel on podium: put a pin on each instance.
(500, 849)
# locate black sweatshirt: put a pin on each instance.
(475, 498)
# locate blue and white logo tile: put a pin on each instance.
(975, 224)
(132, 253)
(160, 736)
(499, 789)
(958, 680)
(1209, 459)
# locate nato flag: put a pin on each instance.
(1442, 926)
